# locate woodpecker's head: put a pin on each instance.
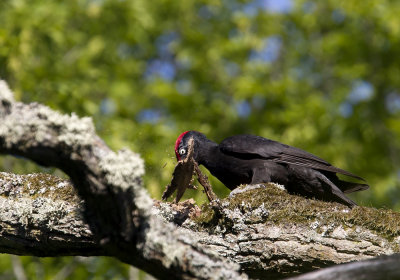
(182, 143)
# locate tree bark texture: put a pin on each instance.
(258, 231)
(116, 208)
(274, 234)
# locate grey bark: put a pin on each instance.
(117, 209)
(111, 214)
(41, 215)
(242, 231)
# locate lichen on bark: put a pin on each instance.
(37, 185)
(272, 233)
(283, 208)
(117, 218)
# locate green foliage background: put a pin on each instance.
(319, 75)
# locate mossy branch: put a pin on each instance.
(274, 234)
(117, 209)
(258, 230)
(42, 215)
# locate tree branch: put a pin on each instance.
(259, 230)
(385, 267)
(271, 233)
(41, 215)
(116, 207)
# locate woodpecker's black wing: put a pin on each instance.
(250, 146)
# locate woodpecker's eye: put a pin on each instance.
(182, 151)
